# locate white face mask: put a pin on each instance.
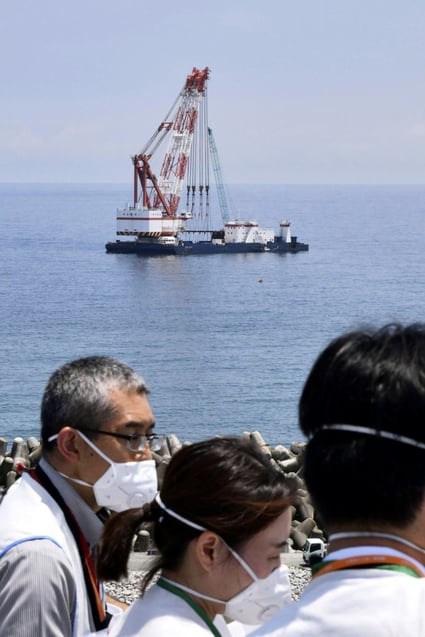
(124, 485)
(259, 601)
(262, 599)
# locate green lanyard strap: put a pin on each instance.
(198, 610)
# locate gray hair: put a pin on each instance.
(78, 394)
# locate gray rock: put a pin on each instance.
(290, 460)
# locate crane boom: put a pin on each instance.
(224, 206)
(165, 192)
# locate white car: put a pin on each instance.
(314, 550)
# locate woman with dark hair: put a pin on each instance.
(219, 524)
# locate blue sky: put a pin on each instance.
(301, 91)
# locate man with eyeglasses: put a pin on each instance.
(97, 434)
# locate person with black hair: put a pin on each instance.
(219, 524)
(362, 409)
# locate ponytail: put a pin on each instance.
(117, 541)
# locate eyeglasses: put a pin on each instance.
(135, 442)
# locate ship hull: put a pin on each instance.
(185, 248)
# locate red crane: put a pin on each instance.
(164, 193)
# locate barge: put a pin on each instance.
(158, 222)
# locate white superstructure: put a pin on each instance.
(246, 232)
(140, 221)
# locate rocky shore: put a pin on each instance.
(305, 522)
(128, 590)
(21, 455)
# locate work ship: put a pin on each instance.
(156, 223)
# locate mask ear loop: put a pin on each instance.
(95, 449)
(378, 433)
(93, 446)
(241, 561)
(179, 517)
(89, 442)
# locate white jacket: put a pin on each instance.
(159, 613)
(28, 512)
(357, 602)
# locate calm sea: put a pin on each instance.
(224, 341)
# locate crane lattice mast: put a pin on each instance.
(165, 192)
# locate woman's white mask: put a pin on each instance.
(260, 600)
(124, 485)
(257, 603)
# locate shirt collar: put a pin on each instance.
(88, 520)
(357, 551)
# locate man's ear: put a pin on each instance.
(210, 550)
(69, 444)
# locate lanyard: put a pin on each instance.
(100, 618)
(200, 611)
(390, 562)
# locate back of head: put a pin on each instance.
(225, 485)
(78, 394)
(375, 380)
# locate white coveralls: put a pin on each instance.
(159, 613)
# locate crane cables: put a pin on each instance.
(197, 195)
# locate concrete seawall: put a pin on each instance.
(23, 455)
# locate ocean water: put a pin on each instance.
(224, 342)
